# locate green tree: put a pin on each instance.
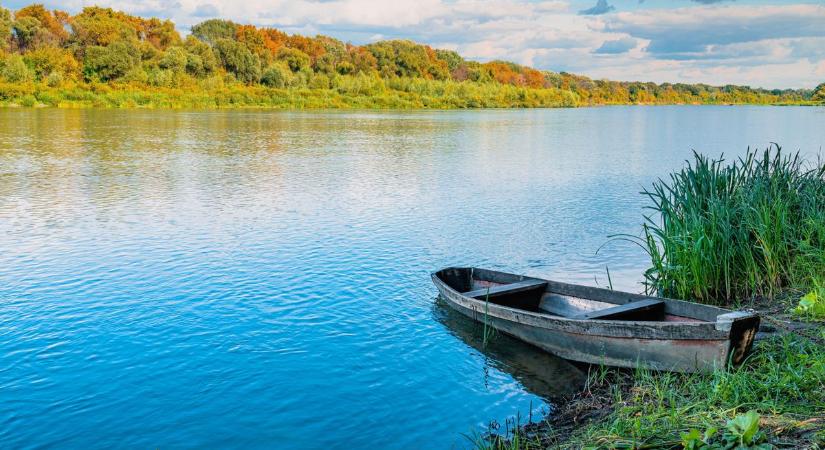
(28, 32)
(361, 59)
(237, 59)
(297, 60)
(405, 58)
(6, 27)
(345, 68)
(15, 70)
(48, 60)
(200, 59)
(96, 26)
(386, 54)
(174, 59)
(110, 62)
(819, 93)
(213, 30)
(335, 53)
(478, 72)
(452, 58)
(111, 45)
(277, 75)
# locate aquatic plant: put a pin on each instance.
(724, 232)
(513, 437)
(489, 331)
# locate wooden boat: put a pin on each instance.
(601, 326)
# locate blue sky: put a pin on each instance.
(766, 43)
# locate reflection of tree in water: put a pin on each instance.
(539, 372)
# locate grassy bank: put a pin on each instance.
(338, 92)
(777, 394)
(343, 92)
(782, 383)
(745, 233)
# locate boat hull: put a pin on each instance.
(682, 347)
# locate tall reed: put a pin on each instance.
(722, 232)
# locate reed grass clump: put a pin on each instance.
(724, 232)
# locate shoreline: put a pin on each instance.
(450, 96)
(610, 396)
(412, 108)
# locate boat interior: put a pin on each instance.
(567, 300)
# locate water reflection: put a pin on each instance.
(541, 373)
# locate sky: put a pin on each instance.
(760, 43)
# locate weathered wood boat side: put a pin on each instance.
(601, 326)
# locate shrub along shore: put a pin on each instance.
(748, 233)
(339, 92)
(101, 57)
(346, 92)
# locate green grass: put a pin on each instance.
(783, 380)
(782, 383)
(722, 232)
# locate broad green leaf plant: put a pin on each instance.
(741, 433)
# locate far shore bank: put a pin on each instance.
(448, 96)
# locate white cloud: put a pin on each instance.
(692, 30)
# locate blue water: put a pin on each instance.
(254, 279)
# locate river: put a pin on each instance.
(258, 279)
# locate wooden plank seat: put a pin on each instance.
(507, 289)
(641, 310)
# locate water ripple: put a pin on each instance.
(254, 279)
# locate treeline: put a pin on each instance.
(106, 57)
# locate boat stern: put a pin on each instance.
(741, 327)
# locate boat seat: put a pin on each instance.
(506, 289)
(642, 310)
